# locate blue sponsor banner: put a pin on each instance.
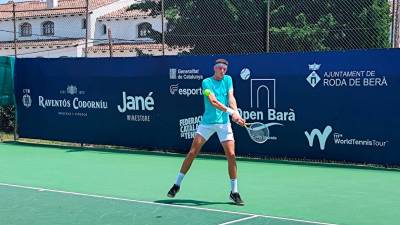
(333, 105)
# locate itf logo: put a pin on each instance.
(264, 89)
(322, 137)
(313, 79)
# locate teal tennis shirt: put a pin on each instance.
(220, 88)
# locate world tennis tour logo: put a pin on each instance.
(322, 136)
(340, 139)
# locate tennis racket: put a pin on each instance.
(259, 132)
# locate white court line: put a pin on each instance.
(162, 204)
(239, 220)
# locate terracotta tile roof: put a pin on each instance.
(38, 8)
(123, 13)
(38, 43)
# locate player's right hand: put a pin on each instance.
(238, 119)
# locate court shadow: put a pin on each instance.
(76, 150)
(191, 202)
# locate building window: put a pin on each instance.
(26, 29)
(104, 29)
(48, 28)
(144, 30)
(83, 23)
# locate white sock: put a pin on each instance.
(234, 185)
(179, 179)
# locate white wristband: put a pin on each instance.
(230, 111)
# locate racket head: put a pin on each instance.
(258, 132)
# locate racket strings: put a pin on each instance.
(258, 133)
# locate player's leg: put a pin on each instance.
(201, 137)
(197, 144)
(229, 149)
(225, 135)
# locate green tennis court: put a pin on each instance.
(47, 185)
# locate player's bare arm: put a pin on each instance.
(233, 105)
(214, 102)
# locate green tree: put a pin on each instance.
(218, 26)
(329, 25)
(7, 118)
(239, 26)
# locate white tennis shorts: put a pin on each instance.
(224, 131)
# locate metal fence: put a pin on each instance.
(239, 26)
(168, 27)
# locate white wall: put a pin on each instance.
(64, 27)
(45, 52)
(105, 10)
(127, 29)
(8, 26)
(71, 27)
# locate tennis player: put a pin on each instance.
(219, 103)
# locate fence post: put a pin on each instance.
(15, 30)
(110, 42)
(267, 26)
(392, 36)
(162, 27)
(87, 28)
(396, 25)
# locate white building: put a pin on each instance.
(57, 28)
(130, 30)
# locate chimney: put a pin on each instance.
(52, 4)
